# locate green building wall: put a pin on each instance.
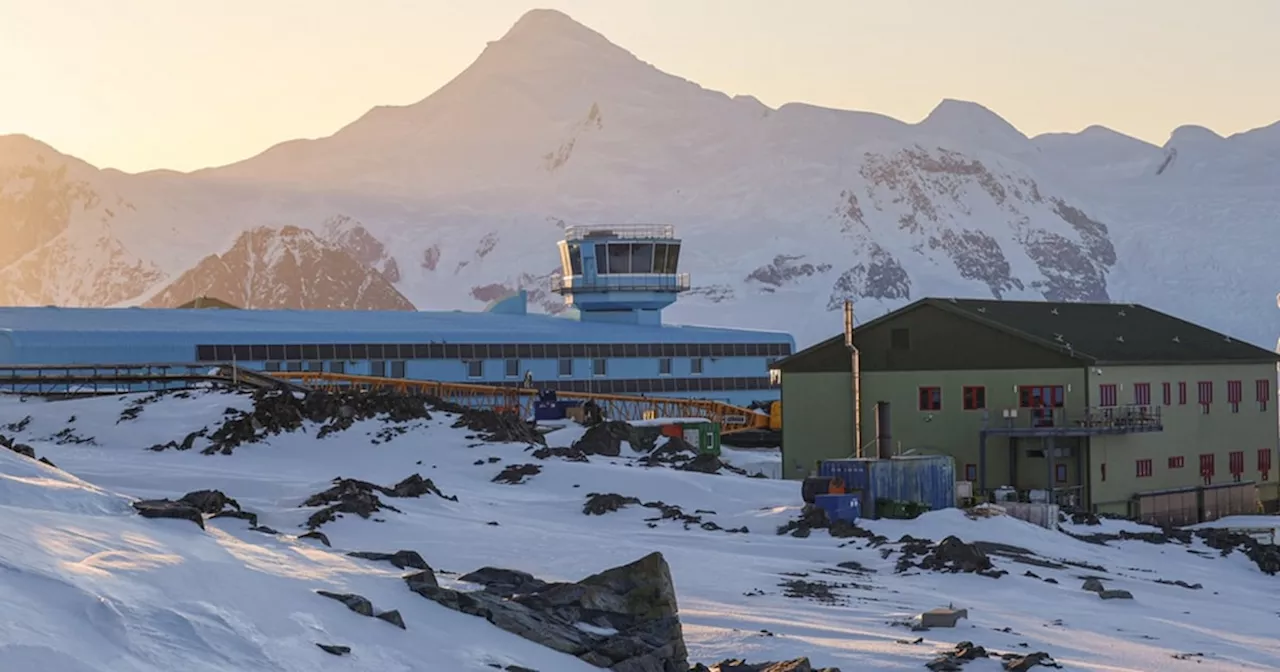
(1188, 432)
(817, 420)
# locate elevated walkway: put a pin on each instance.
(108, 379)
(521, 400)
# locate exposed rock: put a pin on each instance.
(606, 438)
(164, 508)
(210, 501)
(401, 559)
(815, 518)
(737, 665)
(515, 474)
(357, 603)
(349, 495)
(19, 448)
(567, 454)
(334, 649)
(504, 582)
(635, 602)
(1093, 585)
(949, 555)
(1115, 594)
(424, 579)
(317, 535)
(242, 515)
(393, 617)
(493, 426)
(600, 504)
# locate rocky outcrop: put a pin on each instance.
(349, 495)
(624, 619)
(194, 506)
(735, 665)
(400, 559)
(287, 268)
(954, 659)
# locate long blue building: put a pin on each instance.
(617, 281)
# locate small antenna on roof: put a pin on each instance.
(1120, 339)
(1054, 311)
(1177, 340)
(1122, 312)
(982, 309)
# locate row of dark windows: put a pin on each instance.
(475, 367)
(353, 352)
(628, 258)
(396, 369)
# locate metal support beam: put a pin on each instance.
(982, 463)
(1049, 459)
(1013, 462)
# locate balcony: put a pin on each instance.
(637, 231)
(622, 282)
(1091, 421)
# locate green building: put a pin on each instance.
(1113, 407)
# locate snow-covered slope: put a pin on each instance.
(786, 212)
(91, 586)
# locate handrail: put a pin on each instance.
(522, 399)
(659, 231)
(623, 282)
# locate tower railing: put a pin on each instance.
(659, 231)
(622, 282)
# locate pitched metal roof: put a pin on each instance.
(1108, 332)
(1116, 333)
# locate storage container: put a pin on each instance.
(840, 507)
(928, 480)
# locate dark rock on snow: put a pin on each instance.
(815, 518)
(797, 665)
(516, 473)
(504, 582)
(318, 536)
(953, 660)
(19, 448)
(401, 559)
(393, 617)
(334, 649)
(599, 504)
(194, 506)
(349, 495)
(164, 508)
(357, 603)
(635, 602)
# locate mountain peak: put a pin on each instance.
(550, 24)
(964, 118)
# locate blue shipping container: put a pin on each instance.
(840, 507)
(930, 479)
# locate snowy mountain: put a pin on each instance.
(293, 268)
(268, 555)
(785, 212)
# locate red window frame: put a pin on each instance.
(1107, 394)
(1235, 392)
(1263, 389)
(1182, 393)
(1235, 464)
(1206, 467)
(1264, 463)
(1144, 468)
(971, 472)
(1177, 462)
(1204, 394)
(973, 397)
(929, 398)
(1167, 390)
(1142, 394)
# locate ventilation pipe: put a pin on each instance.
(856, 369)
(884, 438)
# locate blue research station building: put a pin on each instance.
(617, 281)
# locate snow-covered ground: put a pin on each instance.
(88, 585)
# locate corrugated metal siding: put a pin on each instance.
(930, 479)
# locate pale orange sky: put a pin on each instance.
(142, 84)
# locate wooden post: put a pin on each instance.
(856, 374)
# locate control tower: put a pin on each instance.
(622, 274)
